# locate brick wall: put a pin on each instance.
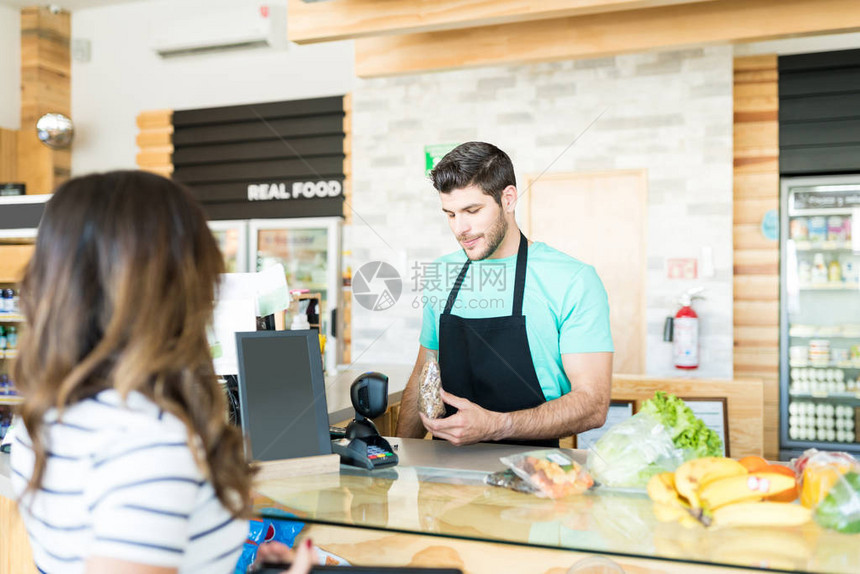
(669, 113)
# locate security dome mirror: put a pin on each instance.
(55, 131)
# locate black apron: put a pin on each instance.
(488, 360)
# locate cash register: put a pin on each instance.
(360, 444)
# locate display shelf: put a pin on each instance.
(11, 400)
(853, 286)
(11, 318)
(809, 364)
(847, 331)
(8, 354)
(822, 246)
(853, 397)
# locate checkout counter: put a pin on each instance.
(434, 509)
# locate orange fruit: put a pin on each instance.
(781, 469)
(754, 463)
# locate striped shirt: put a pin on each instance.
(121, 482)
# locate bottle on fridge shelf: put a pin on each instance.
(7, 302)
(834, 271)
(819, 269)
(2, 338)
(12, 338)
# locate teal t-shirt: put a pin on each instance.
(565, 305)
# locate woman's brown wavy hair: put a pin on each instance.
(119, 294)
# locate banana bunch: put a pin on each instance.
(722, 492)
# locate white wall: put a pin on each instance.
(125, 76)
(10, 67)
(669, 113)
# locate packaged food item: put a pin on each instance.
(818, 228)
(551, 472)
(840, 509)
(799, 229)
(429, 389)
(835, 229)
(819, 471)
(659, 438)
(508, 479)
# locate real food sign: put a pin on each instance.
(295, 190)
(268, 160)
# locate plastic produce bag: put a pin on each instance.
(429, 389)
(550, 472)
(633, 451)
(508, 479)
(840, 509)
(819, 471)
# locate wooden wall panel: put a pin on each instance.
(154, 140)
(310, 22)
(600, 35)
(8, 155)
(756, 258)
(45, 87)
(13, 259)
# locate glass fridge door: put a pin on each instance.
(820, 391)
(232, 237)
(309, 249)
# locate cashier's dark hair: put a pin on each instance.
(475, 163)
(118, 294)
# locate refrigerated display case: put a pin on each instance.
(232, 237)
(309, 249)
(820, 314)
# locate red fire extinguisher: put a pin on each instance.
(683, 331)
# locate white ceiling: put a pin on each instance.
(69, 5)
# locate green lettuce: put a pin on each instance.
(688, 432)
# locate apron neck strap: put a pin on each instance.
(452, 296)
(520, 277)
(519, 280)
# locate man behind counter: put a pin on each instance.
(522, 333)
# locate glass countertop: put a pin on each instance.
(439, 489)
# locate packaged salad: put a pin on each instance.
(551, 472)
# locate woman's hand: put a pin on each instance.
(301, 560)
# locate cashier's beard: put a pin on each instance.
(480, 247)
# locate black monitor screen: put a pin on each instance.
(282, 394)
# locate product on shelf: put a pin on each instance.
(818, 229)
(799, 229)
(834, 271)
(819, 269)
(835, 228)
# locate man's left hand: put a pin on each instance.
(470, 424)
